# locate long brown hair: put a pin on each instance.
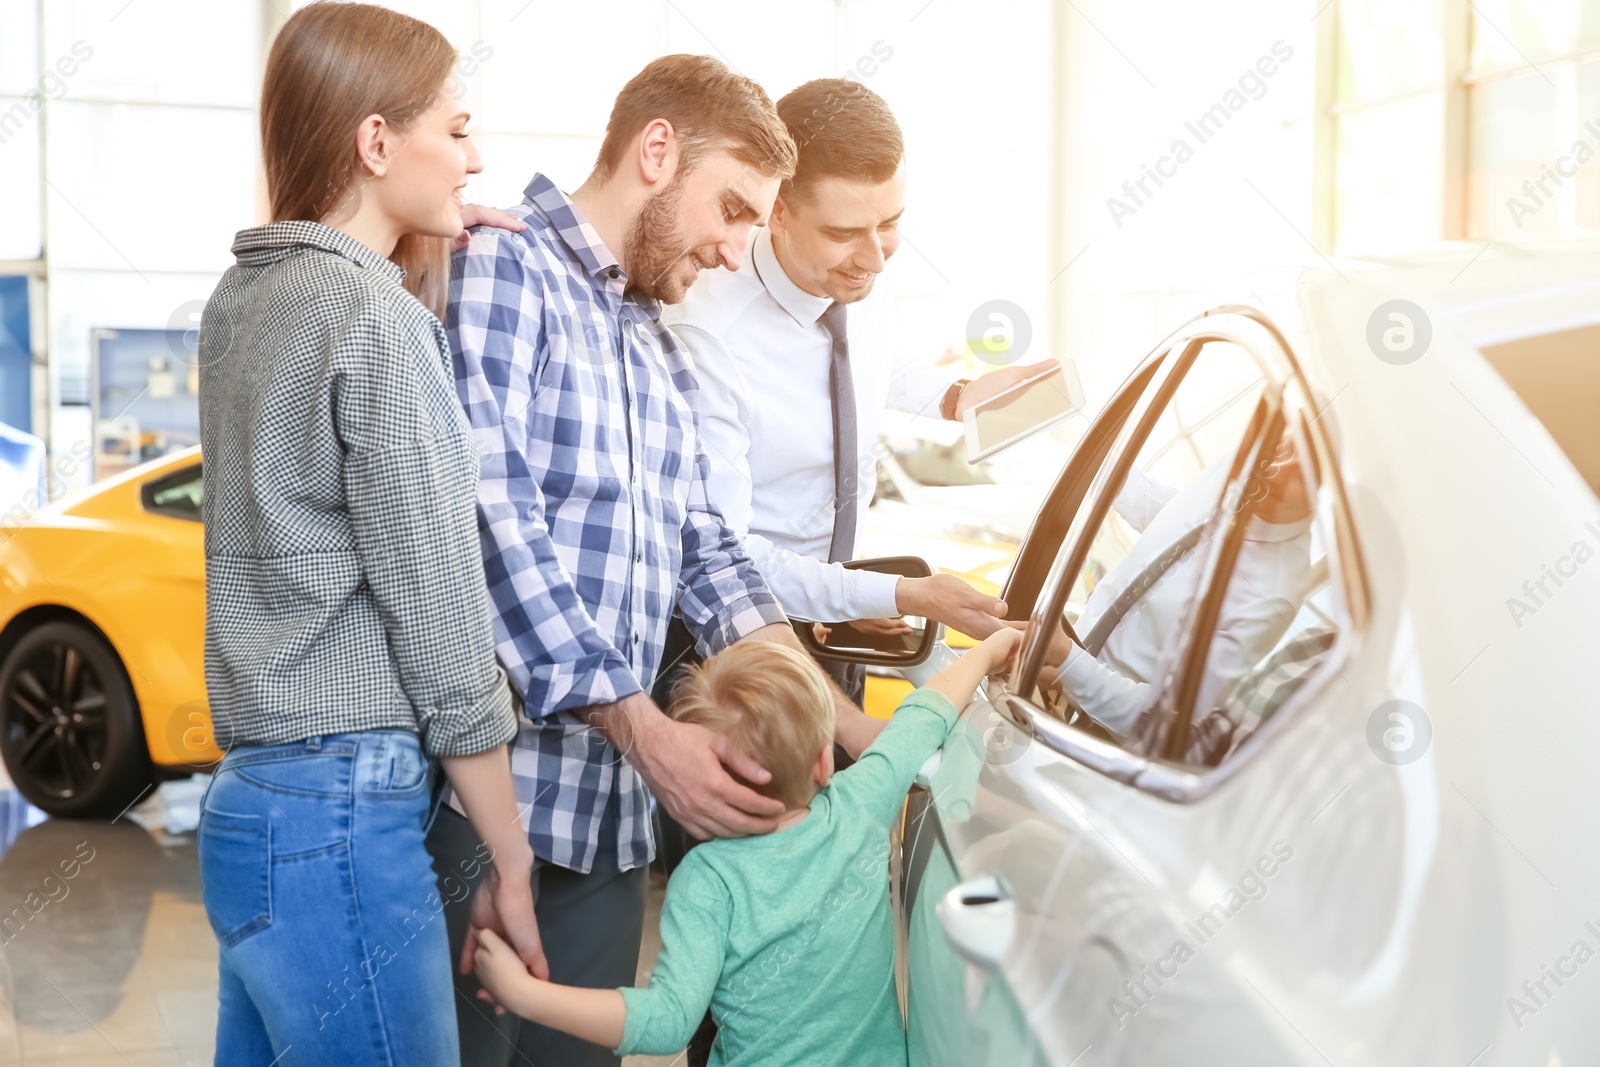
(331, 66)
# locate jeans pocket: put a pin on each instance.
(392, 764)
(236, 874)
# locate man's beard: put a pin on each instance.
(654, 249)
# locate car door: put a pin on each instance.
(1066, 884)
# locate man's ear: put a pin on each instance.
(778, 217)
(658, 151)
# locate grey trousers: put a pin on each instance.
(591, 925)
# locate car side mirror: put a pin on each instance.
(847, 643)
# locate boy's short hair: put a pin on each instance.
(773, 703)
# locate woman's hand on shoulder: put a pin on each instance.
(478, 215)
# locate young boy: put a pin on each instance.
(787, 936)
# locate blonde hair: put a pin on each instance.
(332, 65)
(773, 703)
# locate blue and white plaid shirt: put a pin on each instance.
(592, 508)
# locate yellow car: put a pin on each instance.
(102, 633)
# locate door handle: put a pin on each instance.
(980, 919)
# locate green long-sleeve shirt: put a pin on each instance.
(789, 936)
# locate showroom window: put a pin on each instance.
(1386, 125)
(1533, 92)
(1456, 119)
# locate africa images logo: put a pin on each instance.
(1399, 732)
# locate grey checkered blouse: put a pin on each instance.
(344, 582)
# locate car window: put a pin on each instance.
(1277, 611)
(1130, 598)
(1549, 372)
(178, 495)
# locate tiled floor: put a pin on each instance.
(115, 964)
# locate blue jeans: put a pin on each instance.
(323, 899)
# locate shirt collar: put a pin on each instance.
(801, 305)
(264, 244)
(1260, 529)
(577, 232)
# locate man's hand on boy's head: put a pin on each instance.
(686, 767)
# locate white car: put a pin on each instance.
(1365, 833)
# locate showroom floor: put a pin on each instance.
(116, 966)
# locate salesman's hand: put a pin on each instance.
(686, 767)
(998, 381)
(949, 600)
(478, 215)
(503, 903)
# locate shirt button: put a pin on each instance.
(613, 272)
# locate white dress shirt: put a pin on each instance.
(766, 422)
(1270, 581)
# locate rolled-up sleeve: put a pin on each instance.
(410, 477)
(721, 594)
(555, 654)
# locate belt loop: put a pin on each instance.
(314, 744)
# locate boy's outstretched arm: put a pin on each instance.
(878, 781)
(961, 679)
(595, 1015)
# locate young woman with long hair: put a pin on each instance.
(348, 635)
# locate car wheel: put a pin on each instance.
(70, 732)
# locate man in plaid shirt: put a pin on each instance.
(594, 519)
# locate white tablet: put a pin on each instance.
(1023, 410)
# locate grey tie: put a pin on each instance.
(846, 471)
(1135, 590)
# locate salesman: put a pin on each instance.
(791, 396)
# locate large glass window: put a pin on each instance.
(1388, 122)
(1533, 94)
(1450, 120)
(20, 104)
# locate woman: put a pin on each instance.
(348, 637)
